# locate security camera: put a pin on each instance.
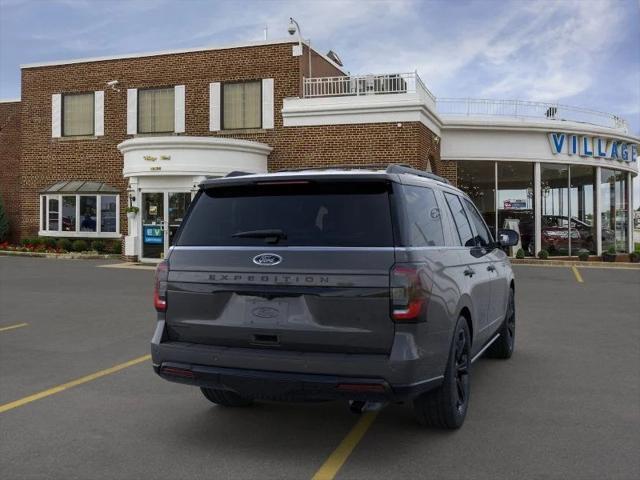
(292, 27)
(112, 83)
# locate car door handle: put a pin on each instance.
(491, 268)
(469, 272)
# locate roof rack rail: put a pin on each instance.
(413, 171)
(371, 166)
(237, 173)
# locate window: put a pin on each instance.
(108, 213)
(88, 213)
(460, 218)
(614, 209)
(483, 237)
(53, 213)
(242, 105)
(309, 214)
(156, 110)
(424, 225)
(67, 211)
(78, 114)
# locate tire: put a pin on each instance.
(504, 345)
(225, 398)
(446, 406)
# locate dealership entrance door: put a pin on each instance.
(162, 213)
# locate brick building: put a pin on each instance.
(91, 137)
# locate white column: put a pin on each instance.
(598, 212)
(537, 195)
(630, 212)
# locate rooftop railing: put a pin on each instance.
(356, 85)
(398, 83)
(472, 107)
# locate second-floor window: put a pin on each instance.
(242, 105)
(78, 114)
(156, 110)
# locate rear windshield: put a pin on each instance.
(336, 214)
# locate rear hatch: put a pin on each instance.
(290, 264)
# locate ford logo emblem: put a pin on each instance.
(267, 259)
(265, 312)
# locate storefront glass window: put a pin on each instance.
(555, 208)
(477, 179)
(581, 205)
(87, 214)
(614, 210)
(516, 202)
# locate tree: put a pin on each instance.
(4, 223)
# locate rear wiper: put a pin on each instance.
(273, 235)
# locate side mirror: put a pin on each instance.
(508, 238)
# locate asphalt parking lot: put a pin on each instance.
(567, 405)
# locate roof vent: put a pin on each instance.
(333, 56)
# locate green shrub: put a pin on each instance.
(47, 242)
(543, 254)
(64, 244)
(634, 257)
(583, 254)
(4, 223)
(115, 247)
(98, 246)
(27, 241)
(520, 253)
(79, 246)
(611, 250)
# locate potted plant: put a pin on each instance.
(583, 255)
(610, 255)
(132, 212)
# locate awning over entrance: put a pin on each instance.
(80, 186)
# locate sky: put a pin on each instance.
(576, 52)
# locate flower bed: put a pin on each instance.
(47, 245)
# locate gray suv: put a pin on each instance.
(365, 285)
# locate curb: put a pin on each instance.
(62, 256)
(574, 263)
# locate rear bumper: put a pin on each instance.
(287, 386)
(298, 376)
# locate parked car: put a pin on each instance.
(371, 286)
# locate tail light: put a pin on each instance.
(409, 294)
(160, 288)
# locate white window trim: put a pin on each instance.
(77, 233)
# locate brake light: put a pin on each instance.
(160, 287)
(409, 294)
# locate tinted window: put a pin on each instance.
(309, 214)
(460, 218)
(424, 226)
(483, 237)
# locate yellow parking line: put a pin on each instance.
(11, 327)
(334, 463)
(73, 383)
(577, 274)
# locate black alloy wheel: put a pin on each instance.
(503, 347)
(462, 364)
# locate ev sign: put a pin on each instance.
(597, 147)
